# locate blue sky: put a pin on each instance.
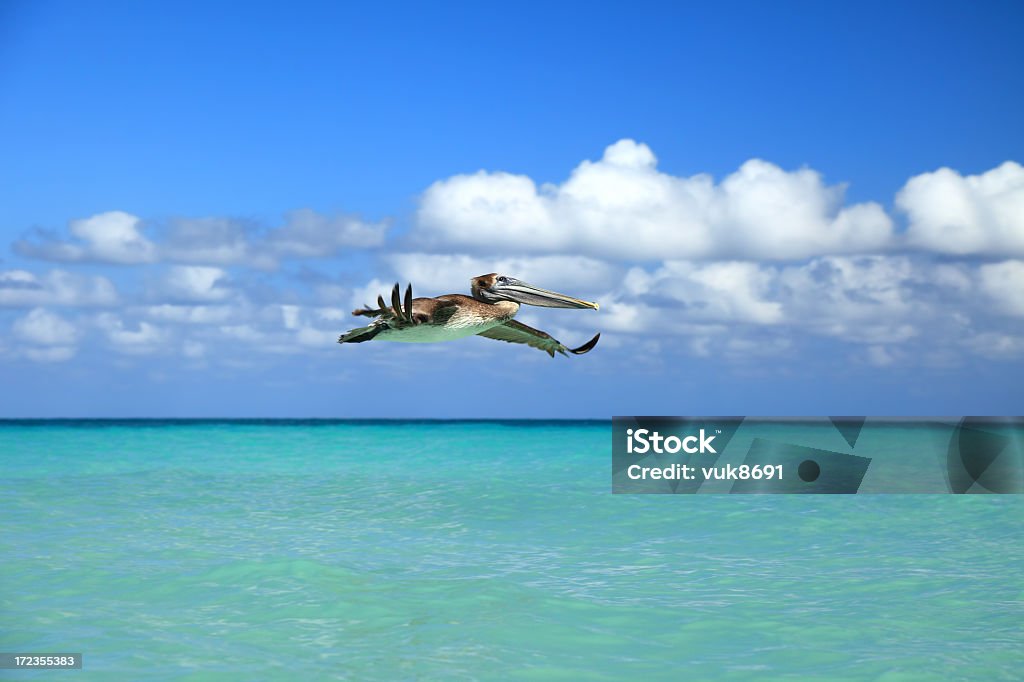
(798, 208)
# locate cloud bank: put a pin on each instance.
(759, 263)
(116, 237)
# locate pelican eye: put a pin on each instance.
(503, 280)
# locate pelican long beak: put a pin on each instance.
(527, 294)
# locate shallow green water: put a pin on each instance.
(476, 551)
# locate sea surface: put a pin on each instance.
(292, 550)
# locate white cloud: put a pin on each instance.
(146, 338)
(195, 283)
(308, 234)
(976, 214)
(367, 295)
(622, 207)
(47, 337)
(41, 327)
(1004, 283)
(331, 314)
(857, 289)
(316, 338)
(735, 290)
(20, 288)
(116, 237)
(295, 326)
(17, 279)
(211, 241)
(864, 299)
(631, 316)
(730, 291)
(111, 237)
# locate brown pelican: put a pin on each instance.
(488, 313)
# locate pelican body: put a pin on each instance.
(489, 312)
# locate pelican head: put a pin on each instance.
(494, 287)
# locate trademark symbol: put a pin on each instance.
(718, 431)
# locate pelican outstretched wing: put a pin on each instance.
(517, 332)
(400, 315)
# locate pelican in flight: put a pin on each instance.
(489, 312)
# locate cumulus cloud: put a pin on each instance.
(974, 214)
(20, 288)
(1004, 283)
(44, 328)
(732, 291)
(45, 336)
(112, 237)
(194, 283)
(868, 299)
(858, 298)
(623, 207)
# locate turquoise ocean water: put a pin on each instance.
(465, 550)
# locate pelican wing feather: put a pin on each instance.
(517, 332)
